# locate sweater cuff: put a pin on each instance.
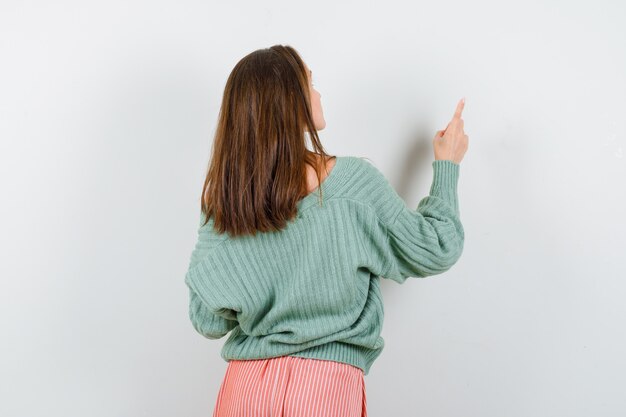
(445, 181)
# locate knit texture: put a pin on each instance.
(312, 289)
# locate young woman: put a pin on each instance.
(292, 244)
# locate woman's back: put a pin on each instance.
(312, 289)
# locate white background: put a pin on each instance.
(107, 112)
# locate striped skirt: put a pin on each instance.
(291, 386)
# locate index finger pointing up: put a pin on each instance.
(459, 108)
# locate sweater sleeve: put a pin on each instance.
(424, 241)
(207, 323)
(207, 318)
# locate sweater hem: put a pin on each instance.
(357, 356)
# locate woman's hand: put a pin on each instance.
(451, 143)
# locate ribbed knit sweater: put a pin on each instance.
(312, 289)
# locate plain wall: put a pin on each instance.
(108, 110)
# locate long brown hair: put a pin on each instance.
(257, 172)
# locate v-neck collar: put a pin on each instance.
(328, 185)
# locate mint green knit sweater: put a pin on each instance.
(312, 289)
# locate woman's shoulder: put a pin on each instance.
(366, 183)
(365, 170)
(362, 162)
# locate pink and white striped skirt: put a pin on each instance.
(291, 386)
